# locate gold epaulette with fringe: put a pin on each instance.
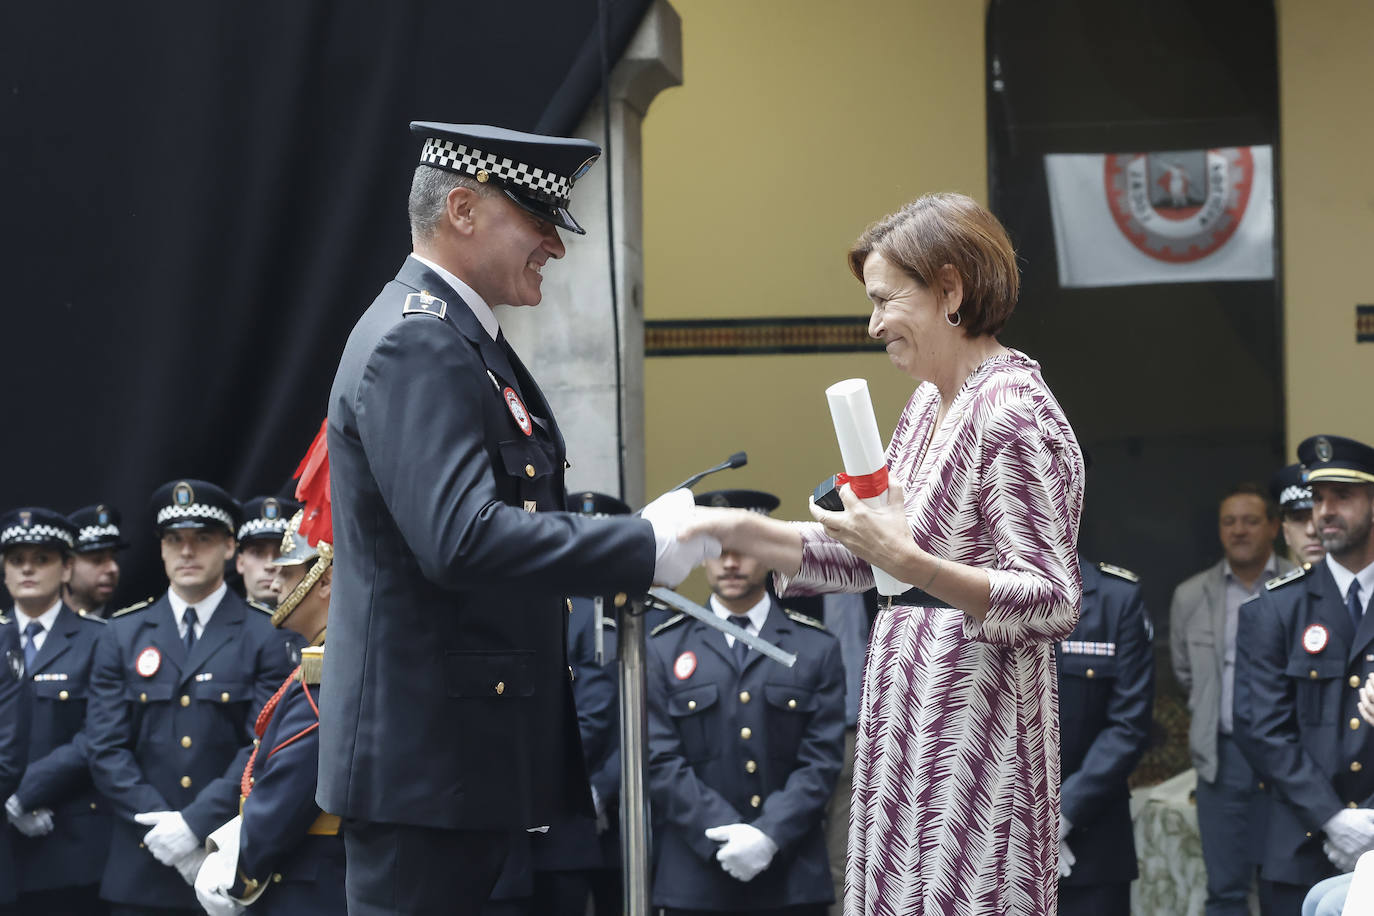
(1119, 571)
(803, 619)
(312, 665)
(133, 607)
(668, 624)
(1292, 575)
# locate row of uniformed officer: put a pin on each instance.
(1304, 648)
(176, 686)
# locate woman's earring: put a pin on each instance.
(958, 319)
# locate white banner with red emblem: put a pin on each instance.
(1173, 217)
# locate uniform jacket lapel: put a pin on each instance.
(59, 638)
(225, 625)
(164, 635)
(715, 641)
(776, 628)
(1328, 607)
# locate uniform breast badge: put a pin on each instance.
(1314, 638)
(149, 660)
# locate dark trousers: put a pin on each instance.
(69, 901)
(1279, 899)
(806, 909)
(565, 893)
(1230, 819)
(119, 909)
(401, 870)
(1095, 899)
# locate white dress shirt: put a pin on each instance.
(1344, 577)
(204, 609)
(756, 614)
(46, 620)
(485, 316)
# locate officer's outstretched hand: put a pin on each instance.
(745, 850)
(170, 840)
(1367, 700)
(1350, 831)
(674, 559)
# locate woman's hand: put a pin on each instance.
(880, 535)
(774, 543)
(729, 526)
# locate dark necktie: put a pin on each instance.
(741, 650)
(1352, 603)
(30, 647)
(189, 618)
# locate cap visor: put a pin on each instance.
(559, 216)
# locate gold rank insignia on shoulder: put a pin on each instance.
(312, 665)
(422, 303)
(803, 619)
(1290, 576)
(133, 607)
(1119, 572)
(91, 617)
(668, 624)
(259, 606)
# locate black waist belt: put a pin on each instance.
(913, 598)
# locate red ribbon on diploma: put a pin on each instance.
(866, 486)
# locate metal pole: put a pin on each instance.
(634, 743)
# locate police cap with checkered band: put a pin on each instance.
(37, 527)
(534, 171)
(97, 528)
(589, 502)
(1335, 459)
(266, 517)
(1289, 490)
(187, 503)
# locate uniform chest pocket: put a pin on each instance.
(220, 693)
(525, 460)
(60, 691)
(689, 709)
(149, 693)
(1088, 667)
(789, 708)
(1316, 688)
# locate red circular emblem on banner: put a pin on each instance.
(1314, 638)
(149, 660)
(684, 666)
(517, 410)
(1180, 206)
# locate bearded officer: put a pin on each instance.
(1304, 647)
(449, 721)
(743, 752)
(95, 562)
(64, 823)
(177, 686)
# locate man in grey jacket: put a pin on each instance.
(1202, 640)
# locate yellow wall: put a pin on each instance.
(798, 123)
(1326, 74)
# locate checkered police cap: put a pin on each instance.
(33, 525)
(194, 504)
(266, 517)
(535, 171)
(97, 529)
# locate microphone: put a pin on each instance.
(737, 460)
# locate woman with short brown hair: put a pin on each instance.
(956, 778)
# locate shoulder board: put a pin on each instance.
(1291, 576)
(803, 619)
(81, 612)
(422, 303)
(258, 606)
(312, 665)
(668, 624)
(133, 607)
(1119, 572)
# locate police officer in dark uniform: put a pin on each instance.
(1294, 499)
(264, 522)
(177, 686)
(449, 721)
(95, 566)
(1305, 645)
(580, 856)
(1106, 700)
(64, 823)
(283, 855)
(13, 744)
(743, 752)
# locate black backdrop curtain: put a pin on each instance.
(198, 201)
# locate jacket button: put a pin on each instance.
(1309, 834)
(1355, 766)
(1312, 674)
(750, 766)
(791, 704)
(93, 806)
(1355, 681)
(744, 696)
(1261, 786)
(276, 879)
(143, 697)
(529, 470)
(1354, 724)
(500, 687)
(1090, 673)
(186, 782)
(755, 801)
(569, 603)
(185, 740)
(63, 695)
(1352, 804)
(691, 704)
(224, 697)
(185, 700)
(746, 733)
(620, 599)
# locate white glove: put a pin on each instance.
(29, 823)
(745, 852)
(170, 840)
(1065, 827)
(216, 876)
(1342, 861)
(188, 865)
(1350, 831)
(1067, 860)
(674, 559)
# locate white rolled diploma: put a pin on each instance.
(861, 450)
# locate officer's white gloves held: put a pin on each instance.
(1065, 826)
(1350, 832)
(1342, 861)
(189, 865)
(29, 823)
(170, 840)
(1366, 704)
(1067, 860)
(219, 870)
(674, 559)
(745, 850)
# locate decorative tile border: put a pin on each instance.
(749, 336)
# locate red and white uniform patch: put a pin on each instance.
(685, 664)
(149, 660)
(1314, 638)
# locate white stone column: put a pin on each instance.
(568, 340)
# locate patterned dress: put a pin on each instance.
(956, 779)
